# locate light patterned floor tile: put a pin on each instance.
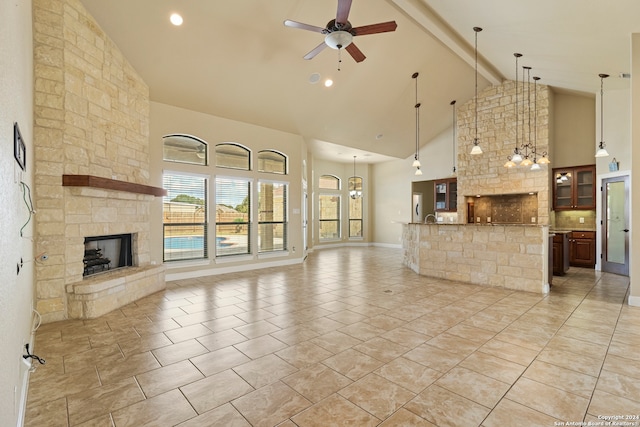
(335, 411)
(284, 346)
(271, 405)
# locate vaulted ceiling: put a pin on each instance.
(236, 59)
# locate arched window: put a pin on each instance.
(329, 182)
(272, 162)
(184, 149)
(233, 156)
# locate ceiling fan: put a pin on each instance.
(339, 33)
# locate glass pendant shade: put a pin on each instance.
(535, 167)
(544, 160)
(416, 164)
(517, 157)
(510, 164)
(602, 152)
(476, 150)
(526, 162)
(418, 172)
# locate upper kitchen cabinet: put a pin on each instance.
(574, 188)
(446, 195)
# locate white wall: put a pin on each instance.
(16, 290)
(634, 267)
(391, 186)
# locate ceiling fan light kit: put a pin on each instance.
(338, 39)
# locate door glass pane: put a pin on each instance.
(616, 222)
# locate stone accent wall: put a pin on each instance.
(91, 118)
(505, 256)
(485, 174)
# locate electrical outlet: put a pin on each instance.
(488, 219)
(581, 220)
(533, 219)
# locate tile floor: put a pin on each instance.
(349, 338)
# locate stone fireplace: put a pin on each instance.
(91, 140)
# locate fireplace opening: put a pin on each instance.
(107, 253)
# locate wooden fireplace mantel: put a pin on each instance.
(111, 184)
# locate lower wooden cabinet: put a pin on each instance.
(560, 253)
(582, 249)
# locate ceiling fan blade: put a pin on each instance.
(316, 51)
(355, 52)
(343, 11)
(382, 27)
(300, 25)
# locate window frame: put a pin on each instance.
(350, 204)
(284, 157)
(201, 141)
(249, 223)
(284, 222)
(233, 144)
(204, 224)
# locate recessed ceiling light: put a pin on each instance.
(314, 78)
(328, 83)
(176, 19)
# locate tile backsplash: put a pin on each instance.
(570, 220)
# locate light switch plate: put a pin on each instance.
(581, 220)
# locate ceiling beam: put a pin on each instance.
(426, 18)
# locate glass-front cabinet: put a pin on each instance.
(446, 195)
(574, 188)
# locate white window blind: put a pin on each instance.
(233, 216)
(184, 217)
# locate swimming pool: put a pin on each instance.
(191, 242)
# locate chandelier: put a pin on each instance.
(354, 192)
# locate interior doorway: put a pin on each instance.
(615, 225)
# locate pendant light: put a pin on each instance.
(476, 144)
(416, 160)
(513, 161)
(454, 126)
(354, 193)
(602, 152)
(544, 159)
(526, 161)
(535, 166)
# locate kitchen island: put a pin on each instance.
(511, 256)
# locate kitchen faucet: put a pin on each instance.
(426, 218)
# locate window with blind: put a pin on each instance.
(329, 205)
(233, 216)
(184, 214)
(272, 216)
